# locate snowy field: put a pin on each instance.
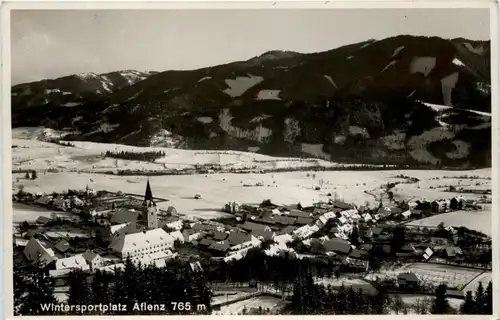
(434, 274)
(24, 212)
(412, 299)
(476, 220)
(262, 301)
(217, 189)
(484, 278)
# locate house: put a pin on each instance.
(284, 220)
(384, 212)
(237, 237)
(338, 246)
(303, 221)
(219, 236)
(405, 214)
(287, 230)
(452, 252)
(72, 263)
(367, 217)
(305, 205)
(191, 235)
(258, 230)
(428, 253)
(43, 220)
(45, 200)
(206, 242)
(299, 214)
(305, 231)
(177, 235)
(61, 203)
(416, 214)
(396, 211)
(457, 203)
(112, 268)
(220, 246)
(412, 205)
(141, 243)
(93, 259)
(408, 280)
(358, 254)
(440, 205)
(205, 227)
(124, 216)
(343, 205)
(62, 246)
(36, 251)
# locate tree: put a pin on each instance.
(440, 304)
(488, 306)
(27, 175)
(34, 175)
(468, 306)
(398, 304)
(398, 239)
(354, 236)
(479, 299)
(79, 289)
(37, 291)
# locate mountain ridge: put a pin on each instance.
(342, 103)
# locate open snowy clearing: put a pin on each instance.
(412, 299)
(484, 278)
(475, 220)
(23, 212)
(218, 189)
(263, 301)
(433, 274)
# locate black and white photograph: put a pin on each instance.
(265, 161)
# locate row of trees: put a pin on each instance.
(129, 287)
(149, 156)
(33, 175)
(310, 298)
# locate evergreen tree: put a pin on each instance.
(100, 287)
(38, 290)
(27, 175)
(488, 306)
(34, 175)
(352, 301)
(341, 301)
(380, 302)
(79, 289)
(440, 304)
(468, 306)
(398, 304)
(479, 299)
(19, 290)
(354, 237)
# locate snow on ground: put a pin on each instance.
(263, 301)
(418, 144)
(395, 141)
(411, 93)
(259, 133)
(458, 62)
(412, 299)
(204, 78)
(206, 119)
(331, 80)
(422, 65)
(269, 95)
(447, 85)
(475, 220)
(165, 138)
(349, 57)
(397, 50)
(106, 83)
(356, 284)
(37, 133)
(389, 65)
(291, 130)
(461, 150)
(105, 128)
(438, 108)
(315, 150)
(71, 104)
(49, 91)
(355, 130)
(260, 118)
(239, 85)
(479, 50)
(484, 278)
(23, 212)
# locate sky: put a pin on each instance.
(47, 44)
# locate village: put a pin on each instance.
(94, 230)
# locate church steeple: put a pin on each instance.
(148, 197)
(150, 211)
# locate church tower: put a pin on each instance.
(149, 209)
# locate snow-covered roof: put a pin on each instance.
(111, 268)
(77, 262)
(119, 226)
(35, 250)
(140, 240)
(90, 255)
